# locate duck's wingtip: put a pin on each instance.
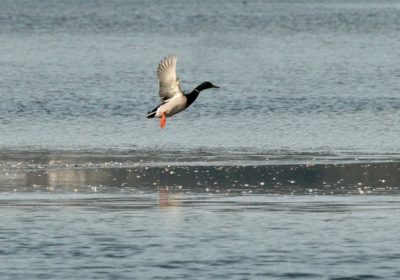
(172, 56)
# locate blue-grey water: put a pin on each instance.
(290, 170)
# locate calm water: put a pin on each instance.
(290, 170)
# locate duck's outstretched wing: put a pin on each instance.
(168, 82)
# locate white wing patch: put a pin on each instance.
(168, 82)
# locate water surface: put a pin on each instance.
(290, 170)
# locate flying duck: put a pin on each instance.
(173, 99)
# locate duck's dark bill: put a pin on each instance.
(214, 86)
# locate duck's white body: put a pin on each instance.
(172, 106)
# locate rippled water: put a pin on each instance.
(188, 236)
(306, 76)
(290, 170)
(96, 216)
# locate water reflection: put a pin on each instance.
(169, 198)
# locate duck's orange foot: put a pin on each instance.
(163, 121)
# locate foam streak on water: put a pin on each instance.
(201, 172)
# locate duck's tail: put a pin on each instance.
(152, 114)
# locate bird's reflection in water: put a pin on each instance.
(169, 198)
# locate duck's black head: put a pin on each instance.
(206, 85)
(192, 96)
